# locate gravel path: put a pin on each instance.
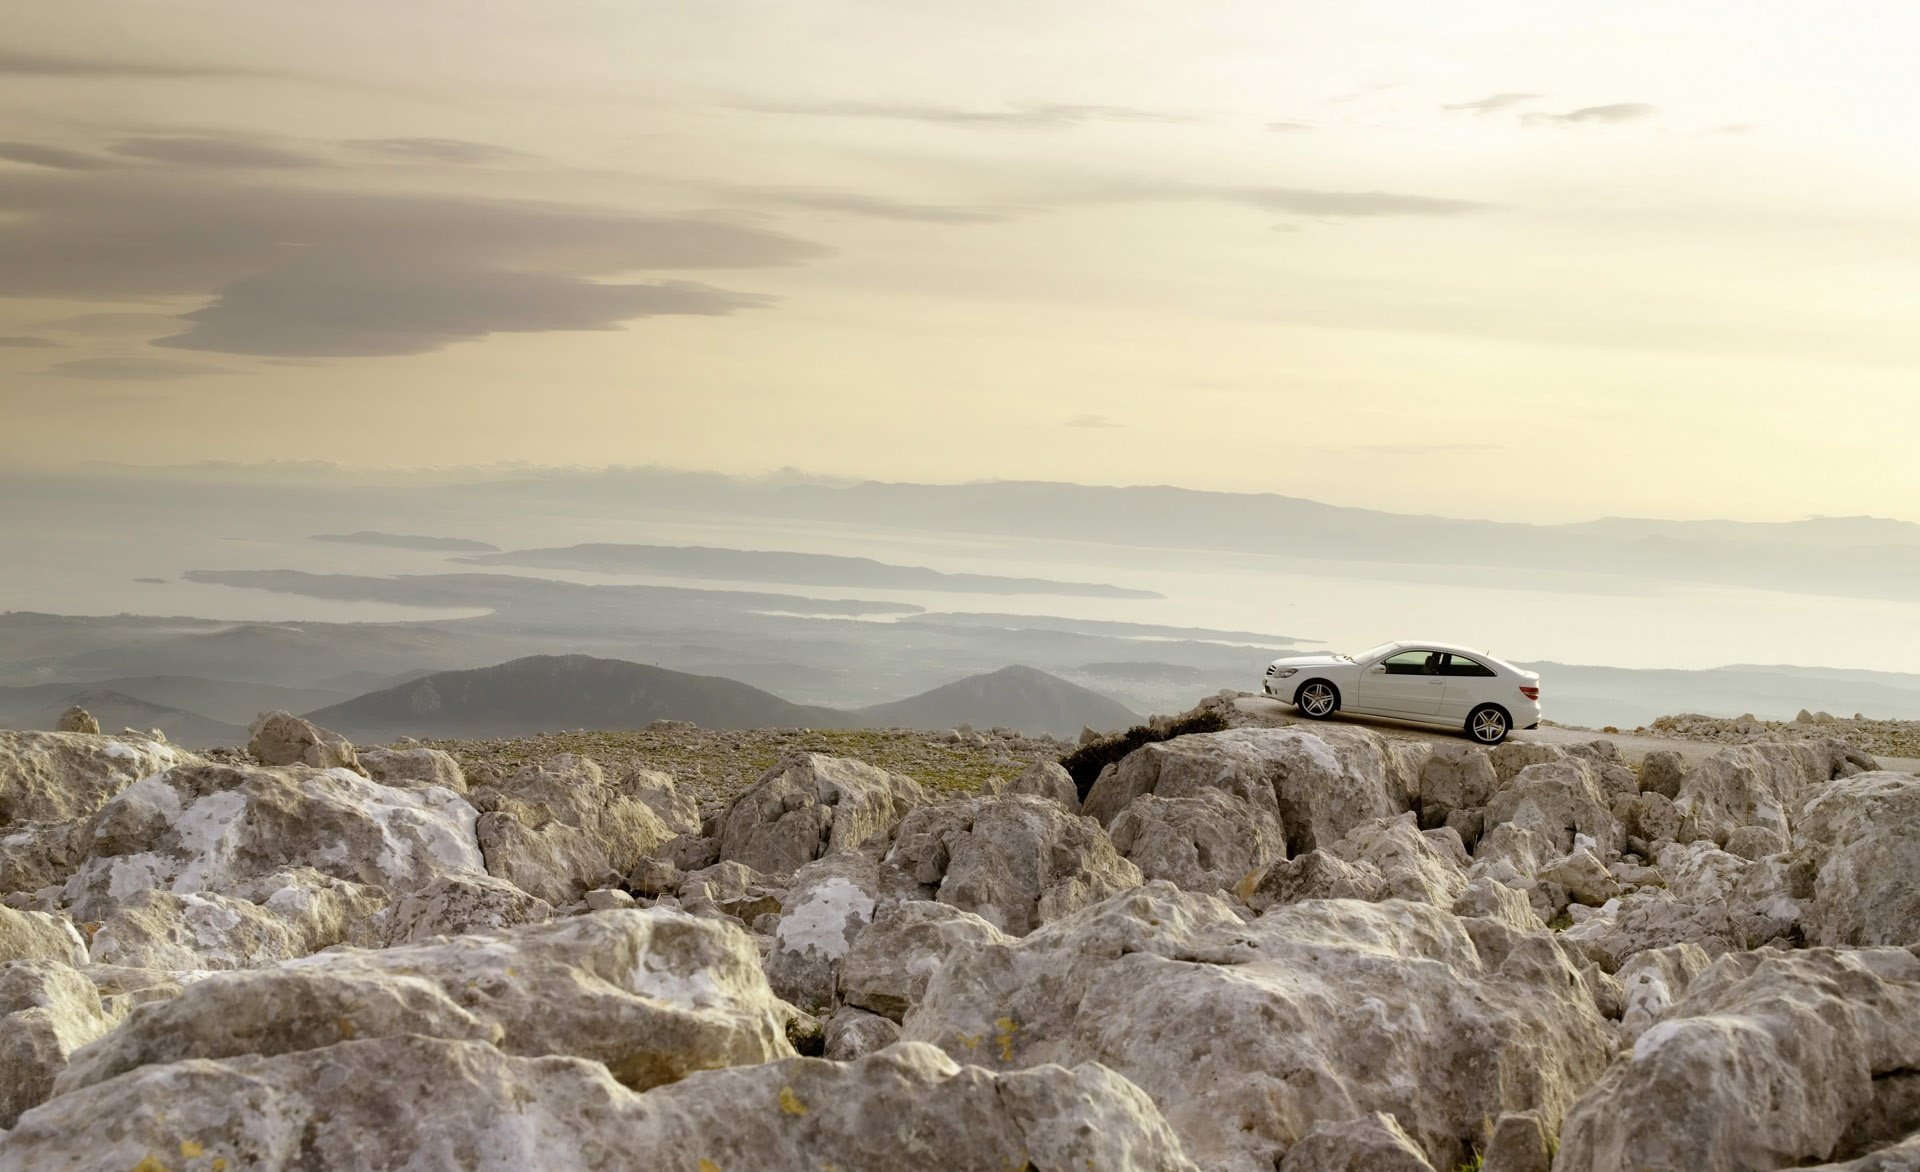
(1633, 747)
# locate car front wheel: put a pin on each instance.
(1317, 699)
(1489, 724)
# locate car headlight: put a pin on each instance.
(1281, 673)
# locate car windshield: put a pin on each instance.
(1373, 652)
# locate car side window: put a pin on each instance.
(1414, 663)
(1460, 665)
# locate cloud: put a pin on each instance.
(37, 155)
(220, 153)
(1038, 115)
(878, 207)
(115, 325)
(436, 150)
(325, 273)
(1425, 449)
(132, 369)
(1618, 112)
(1308, 201)
(17, 63)
(1091, 421)
(19, 342)
(1492, 102)
(1289, 127)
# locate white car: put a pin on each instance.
(1426, 683)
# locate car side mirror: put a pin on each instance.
(1379, 669)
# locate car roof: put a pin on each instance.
(1437, 645)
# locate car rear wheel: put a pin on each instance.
(1317, 699)
(1489, 724)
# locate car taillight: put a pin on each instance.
(1530, 691)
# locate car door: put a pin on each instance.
(1468, 683)
(1406, 683)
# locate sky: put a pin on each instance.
(1516, 260)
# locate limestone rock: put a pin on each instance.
(1661, 772)
(830, 902)
(1386, 858)
(31, 935)
(364, 1105)
(1520, 1143)
(76, 720)
(603, 899)
(852, 1033)
(1314, 1011)
(47, 1011)
(731, 891)
(1455, 777)
(1652, 980)
(1763, 784)
(1207, 842)
(459, 904)
(1770, 1060)
(887, 969)
(56, 776)
(1559, 799)
(1371, 1143)
(1018, 861)
(1486, 898)
(1045, 779)
(1585, 877)
(412, 768)
(1865, 833)
(809, 805)
(281, 738)
(38, 855)
(557, 829)
(305, 911)
(652, 994)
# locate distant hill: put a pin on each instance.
(1022, 698)
(408, 541)
(542, 693)
(116, 710)
(1630, 697)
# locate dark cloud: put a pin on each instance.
(132, 369)
(218, 153)
(20, 342)
(1038, 115)
(24, 64)
(436, 150)
(1305, 201)
(878, 207)
(1492, 102)
(1618, 112)
(313, 273)
(37, 155)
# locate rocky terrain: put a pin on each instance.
(1292, 949)
(1888, 738)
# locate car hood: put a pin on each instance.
(1314, 661)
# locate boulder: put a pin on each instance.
(1315, 1011)
(1483, 897)
(1018, 861)
(1771, 1059)
(810, 804)
(1454, 778)
(1320, 784)
(1653, 979)
(852, 1033)
(458, 904)
(31, 935)
(731, 891)
(281, 738)
(887, 969)
(1208, 842)
(1370, 1143)
(57, 777)
(433, 1102)
(1864, 833)
(651, 994)
(413, 767)
(1044, 779)
(306, 911)
(76, 720)
(1661, 772)
(1386, 858)
(829, 903)
(557, 829)
(1559, 799)
(47, 1011)
(1520, 1143)
(1762, 784)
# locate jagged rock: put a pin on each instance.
(652, 994)
(1756, 842)
(606, 899)
(306, 911)
(1652, 818)
(1652, 980)
(1762, 784)
(1486, 898)
(1713, 899)
(413, 767)
(1386, 858)
(809, 805)
(731, 891)
(362, 1105)
(31, 935)
(1520, 1143)
(887, 969)
(852, 1033)
(1045, 779)
(1865, 833)
(76, 720)
(39, 855)
(1320, 784)
(1558, 799)
(459, 905)
(1207, 842)
(1454, 778)
(1769, 1060)
(281, 738)
(56, 777)
(557, 829)
(1314, 1011)
(1018, 861)
(1661, 772)
(830, 902)
(47, 1011)
(1585, 877)
(680, 813)
(1371, 1143)
(654, 878)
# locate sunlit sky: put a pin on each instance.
(1518, 260)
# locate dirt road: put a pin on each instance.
(1272, 712)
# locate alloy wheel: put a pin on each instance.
(1489, 726)
(1317, 700)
